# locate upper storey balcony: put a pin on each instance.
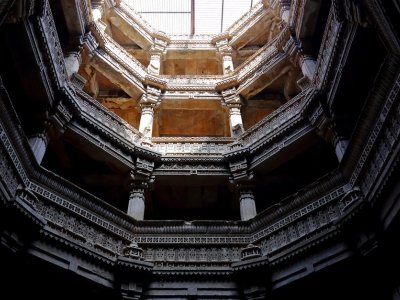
(244, 72)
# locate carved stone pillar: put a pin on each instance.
(235, 120)
(97, 9)
(38, 143)
(136, 202)
(308, 65)
(146, 120)
(148, 103)
(285, 10)
(156, 54)
(72, 62)
(155, 63)
(235, 117)
(242, 179)
(227, 63)
(225, 50)
(247, 204)
(140, 179)
(327, 129)
(340, 144)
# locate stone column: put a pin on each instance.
(308, 66)
(285, 11)
(227, 63)
(247, 204)
(155, 63)
(72, 62)
(97, 9)
(136, 203)
(235, 120)
(146, 120)
(340, 145)
(225, 50)
(38, 143)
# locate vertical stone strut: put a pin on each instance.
(225, 50)
(235, 117)
(136, 204)
(140, 179)
(235, 120)
(308, 65)
(285, 10)
(242, 179)
(155, 63)
(247, 204)
(39, 142)
(328, 130)
(146, 120)
(147, 104)
(156, 54)
(72, 62)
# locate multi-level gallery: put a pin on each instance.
(256, 161)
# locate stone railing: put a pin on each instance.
(274, 121)
(194, 82)
(191, 146)
(248, 18)
(199, 42)
(328, 47)
(136, 21)
(184, 95)
(110, 60)
(124, 58)
(107, 118)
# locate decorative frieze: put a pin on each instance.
(104, 118)
(329, 47)
(190, 148)
(192, 254)
(79, 231)
(388, 136)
